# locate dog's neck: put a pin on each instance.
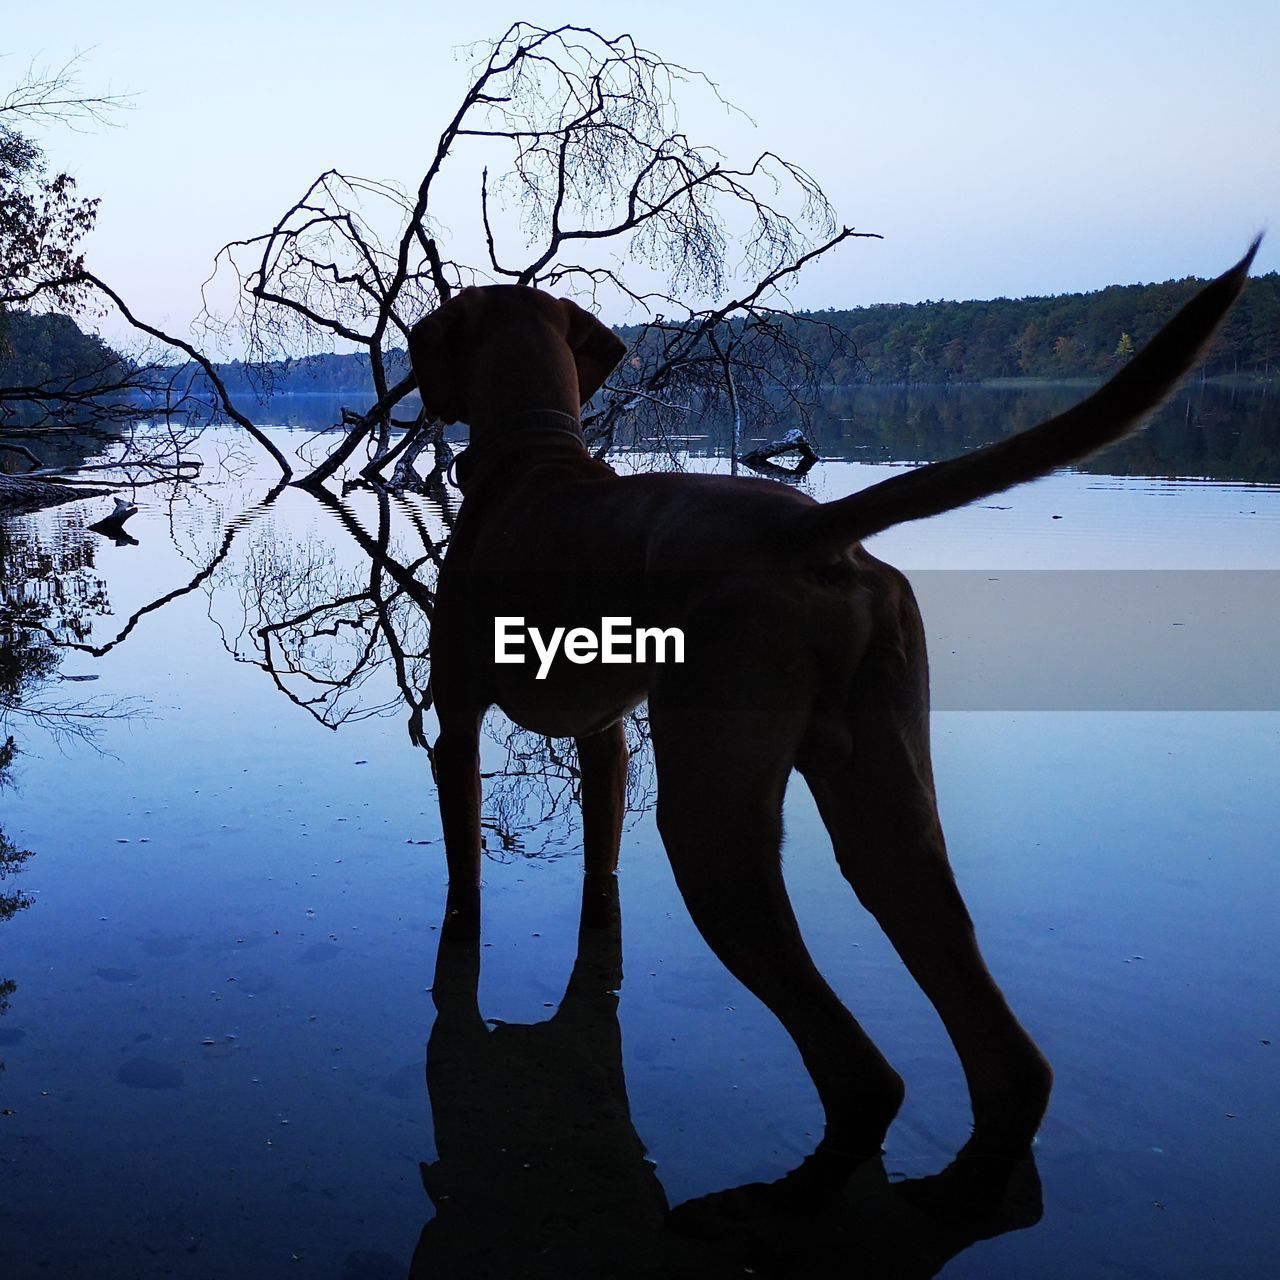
(500, 442)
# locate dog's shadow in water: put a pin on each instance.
(542, 1174)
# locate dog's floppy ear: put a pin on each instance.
(431, 352)
(596, 349)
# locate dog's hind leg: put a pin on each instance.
(880, 809)
(722, 775)
(602, 761)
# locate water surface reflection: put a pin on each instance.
(245, 896)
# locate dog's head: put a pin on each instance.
(453, 349)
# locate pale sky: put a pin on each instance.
(1002, 149)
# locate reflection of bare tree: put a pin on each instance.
(343, 635)
(324, 630)
(532, 795)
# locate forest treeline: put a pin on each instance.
(1077, 335)
(1070, 336)
(322, 374)
(40, 350)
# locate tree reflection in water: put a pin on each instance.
(342, 632)
(49, 598)
(12, 858)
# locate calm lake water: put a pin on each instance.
(224, 1000)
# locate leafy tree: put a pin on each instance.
(51, 373)
(42, 221)
(42, 217)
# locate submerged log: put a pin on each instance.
(112, 526)
(793, 442)
(19, 495)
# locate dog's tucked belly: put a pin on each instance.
(571, 704)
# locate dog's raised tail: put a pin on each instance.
(1112, 411)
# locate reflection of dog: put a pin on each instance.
(540, 1171)
(801, 651)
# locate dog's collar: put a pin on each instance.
(515, 430)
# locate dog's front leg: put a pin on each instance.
(457, 770)
(602, 759)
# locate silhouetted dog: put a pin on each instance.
(800, 651)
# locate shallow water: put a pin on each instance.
(214, 1050)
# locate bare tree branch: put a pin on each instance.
(227, 404)
(48, 95)
(584, 133)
